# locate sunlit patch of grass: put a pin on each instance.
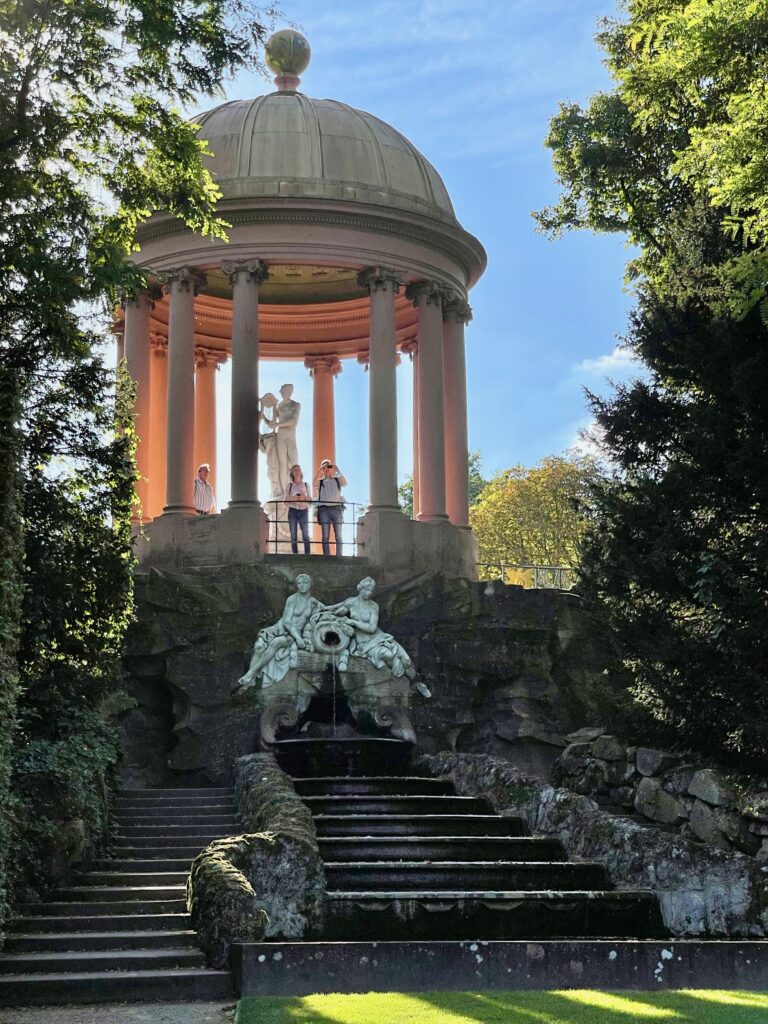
(572, 1006)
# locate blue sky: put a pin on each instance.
(473, 85)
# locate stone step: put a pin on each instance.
(133, 878)
(81, 921)
(173, 985)
(165, 831)
(121, 893)
(125, 822)
(396, 805)
(163, 842)
(176, 794)
(100, 960)
(64, 941)
(191, 802)
(105, 906)
(381, 785)
(152, 813)
(418, 825)
(417, 876)
(148, 865)
(367, 848)
(357, 916)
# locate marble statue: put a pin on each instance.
(276, 648)
(361, 613)
(268, 442)
(287, 413)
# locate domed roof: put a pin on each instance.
(287, 145)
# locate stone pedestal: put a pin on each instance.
(238, 536)
(403, 547)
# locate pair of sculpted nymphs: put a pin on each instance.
(354, 621)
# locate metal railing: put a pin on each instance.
(279, 529)
(532, 577)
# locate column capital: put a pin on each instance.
(140, 294)
(159, 344)
(431, 292)
(323, 364)
(364, 358)
(410, 347)
(457, 309)
(256, 270)
(205, 356)
(188, 278)
(375, 278)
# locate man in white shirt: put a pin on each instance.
(330, 503)
(205, 503)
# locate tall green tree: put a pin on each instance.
(92, 141)
(677, 545)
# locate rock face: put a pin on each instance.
(266, 883)
(702, 891)
(701, 802)
(511, 670)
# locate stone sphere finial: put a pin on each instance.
(288, 54)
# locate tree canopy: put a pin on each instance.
(93, 139)
(532, 516)
(675, 550)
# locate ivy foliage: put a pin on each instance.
(677, 541)
(93, 140)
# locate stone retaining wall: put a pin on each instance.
(668, 789)
(702, 891)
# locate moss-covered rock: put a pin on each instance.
(266, 884)
(221, 901)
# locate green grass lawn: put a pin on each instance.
(683, 1006)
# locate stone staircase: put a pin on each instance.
(121, 932)
(406, 858)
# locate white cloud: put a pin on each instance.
(617, 363)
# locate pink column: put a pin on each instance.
(322, 369)
(411, 348)
(206, 364)
(137, 357)
(456, 314)
(158, 462)
(427, 296)
(246, 277)
(182, 285)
